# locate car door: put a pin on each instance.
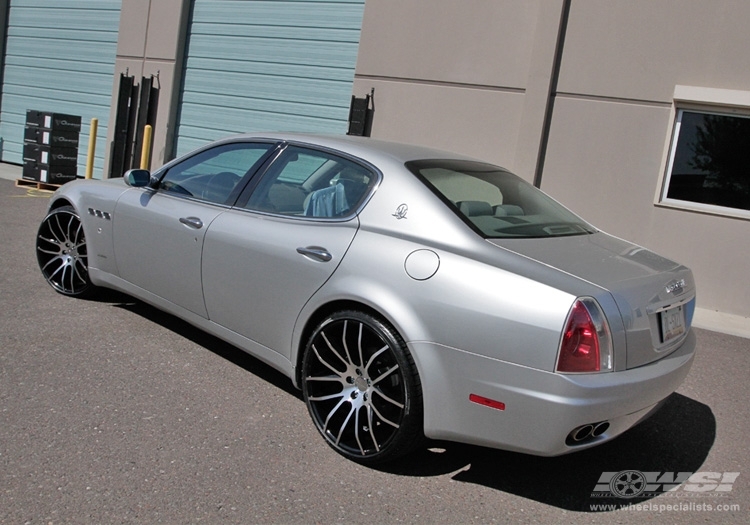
(266, 257)
(159, 232)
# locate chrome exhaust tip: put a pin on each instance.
(582, 433)
(586, 433)
(600, 429)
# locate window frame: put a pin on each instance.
(709, 101)
(243, 202)
(209, 152)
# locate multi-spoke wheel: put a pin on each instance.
(360, 385)
(61, 252)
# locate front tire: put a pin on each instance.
(361, 388)
(62, 253)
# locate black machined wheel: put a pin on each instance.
(361, 388)
(61, 252)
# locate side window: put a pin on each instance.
(309, 183)
(708, 162)
(212, 174)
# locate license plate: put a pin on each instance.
(672, 323)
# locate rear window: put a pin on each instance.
(496, 203)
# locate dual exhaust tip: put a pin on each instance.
(586, 433)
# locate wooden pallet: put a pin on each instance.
(23, 183)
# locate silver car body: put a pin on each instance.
(481, 317)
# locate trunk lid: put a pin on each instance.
(655, 296)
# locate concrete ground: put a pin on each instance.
(112, 412)
(10, 171)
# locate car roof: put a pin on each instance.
(363, 147)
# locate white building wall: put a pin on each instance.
(475, 77)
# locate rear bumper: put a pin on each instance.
(541, 408)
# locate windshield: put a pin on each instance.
(495, 202)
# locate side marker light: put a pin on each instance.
(498, 405)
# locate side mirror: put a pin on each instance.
(137, 178)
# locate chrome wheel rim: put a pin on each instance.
(354, 387)
(61, 252)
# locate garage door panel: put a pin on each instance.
(281, 51)
(37, 63)
(256, 67)
(273, 88)
(319, 14)
(234, 104)
(59, 57)
(268, 66)
(230, 34)
(16, 95)
(231, 119)
(45, 35)
(44, 14)
(73, 52)
(62, 81)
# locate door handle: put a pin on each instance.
(316, 253)
(193, 222)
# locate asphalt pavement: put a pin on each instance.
(113, 412)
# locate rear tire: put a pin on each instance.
(361, 388)
(62, 253)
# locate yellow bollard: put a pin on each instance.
(92, 148)
(146, 148)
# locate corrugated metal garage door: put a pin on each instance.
(59, 56)
(268, 66)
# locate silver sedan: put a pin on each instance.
(407, 292)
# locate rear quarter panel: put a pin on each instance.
(476, 301)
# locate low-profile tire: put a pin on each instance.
(62, 254)
(362, 389)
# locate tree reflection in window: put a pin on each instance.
(711, 160)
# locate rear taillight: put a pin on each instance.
(586, 344)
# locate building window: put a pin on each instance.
(709, 163)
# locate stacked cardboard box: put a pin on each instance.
(50, 149)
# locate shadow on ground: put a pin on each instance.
(209, 342)
(677, 438)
